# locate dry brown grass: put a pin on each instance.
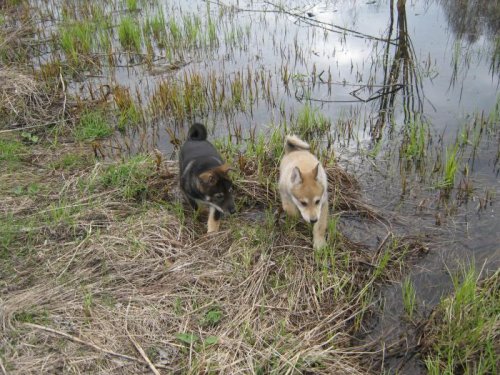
(105, 276)
(26, 102)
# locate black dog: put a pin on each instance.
(204, 176)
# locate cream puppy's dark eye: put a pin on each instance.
(303, 203)
(316, 202)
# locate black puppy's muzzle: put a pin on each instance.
(230, 207)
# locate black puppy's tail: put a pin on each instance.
(197, 132)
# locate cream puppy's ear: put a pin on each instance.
(296, 176)
(315, 171)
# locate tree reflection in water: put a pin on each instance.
(400, 74)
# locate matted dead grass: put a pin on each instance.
(115, 286)
(27, 102)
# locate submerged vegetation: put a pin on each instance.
(409, 297)
(450, 168)
(129, 34)
(77, 39)
(105, 266)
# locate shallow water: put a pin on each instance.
(371, 68)
(447, 75)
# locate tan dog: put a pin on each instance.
(303, 187)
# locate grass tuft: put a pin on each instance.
(72, 162)
(77, 38)
(415, 140)
(463, 332)
(93, 125)
(311, 122)
(157, 26)
(129, 34)
(129, 111)
(11, 150)
(132, 5)
(130, 177)
(409, 297)
(450, 168)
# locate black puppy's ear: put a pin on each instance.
(223, 169)
(208, 178)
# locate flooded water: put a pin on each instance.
(356, 61)
(376, 70)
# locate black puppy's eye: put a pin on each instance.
(303, 203)
(219, 195)
(317, 202)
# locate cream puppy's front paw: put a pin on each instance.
(318, 243)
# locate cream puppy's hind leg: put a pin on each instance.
(213, 220)
(319, 228)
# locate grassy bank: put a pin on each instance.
(106, 252)
(101, 257)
